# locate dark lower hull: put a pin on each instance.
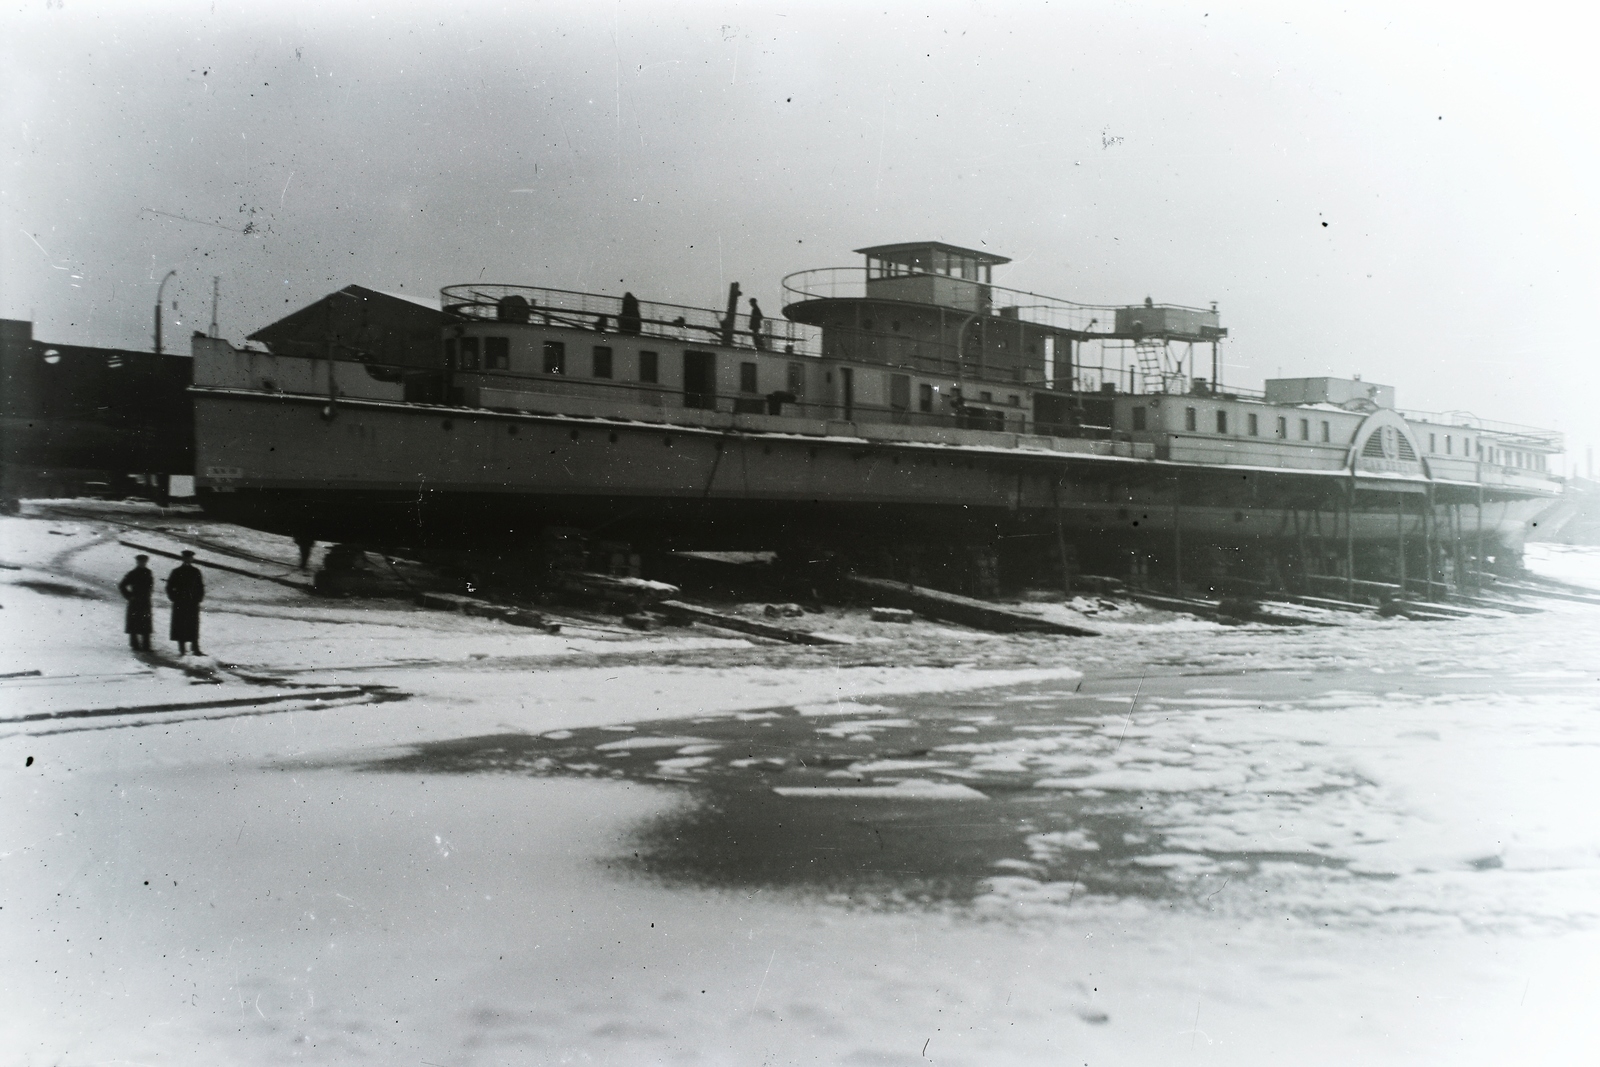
(442, 479)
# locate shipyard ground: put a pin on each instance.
(366, 832)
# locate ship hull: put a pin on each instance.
(384, 473)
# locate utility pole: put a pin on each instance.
(159, 290)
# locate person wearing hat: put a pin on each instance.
(185, 588)
(136, 587)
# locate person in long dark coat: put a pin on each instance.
(185, 588)
(757, 336)
(136, 587)
(630, 321)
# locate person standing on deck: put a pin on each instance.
(185, 588)
(630, 321)
(757, 319)
(136, 587)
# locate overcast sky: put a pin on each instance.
(1401, 191)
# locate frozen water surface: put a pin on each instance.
(1373, 843)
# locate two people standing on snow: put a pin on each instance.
(185, 588)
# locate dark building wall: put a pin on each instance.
(71, 407)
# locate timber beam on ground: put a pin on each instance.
(304, 587)
(678, 609)
(1508, 606)
(952, 607)
(1554, 594)
(1328, 603)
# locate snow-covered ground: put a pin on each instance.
(1375, 843)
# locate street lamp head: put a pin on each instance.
(160, 289)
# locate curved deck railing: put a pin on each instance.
(497, 302)
(1515, 433)
(850, 283)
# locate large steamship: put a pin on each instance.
(903, 404)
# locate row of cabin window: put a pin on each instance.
(496, 353)
(1505, 457)
(1191, 421)
(1512, 457)
(1450, 445)
(496, 356)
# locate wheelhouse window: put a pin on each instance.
(649, 367)
(924, 397)
(1305, 429)
(747, 378)
(497, 353)
(555, 357)
(1138, 418)
(1222, 422)
(1283, 427)
(1253, 424)
(1327, 432)
(797, 379)
(1190, 419)
(469, 353)
(602, 361)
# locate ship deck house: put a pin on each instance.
(916, 342)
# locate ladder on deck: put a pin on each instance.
(1151, 358)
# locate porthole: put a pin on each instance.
(52, 356)
(613, 437)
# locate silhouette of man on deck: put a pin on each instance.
(757, 320)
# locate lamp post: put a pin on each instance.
(159, 290)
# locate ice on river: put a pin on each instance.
(1376, 843)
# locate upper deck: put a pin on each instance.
(936, 274)
(602, 313)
